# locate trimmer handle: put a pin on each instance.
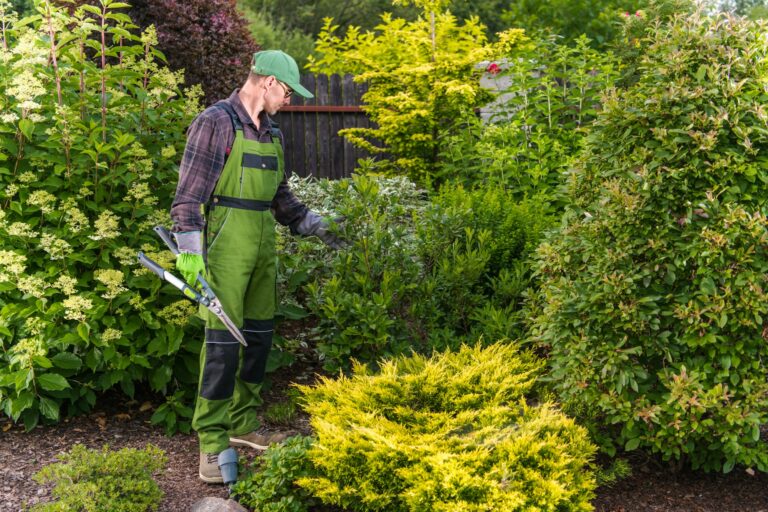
(151, 265)
(167, 238)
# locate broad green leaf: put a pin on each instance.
(67, 361)
(707, 286)
(52, 382)
(49, 408)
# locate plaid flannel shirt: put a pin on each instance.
(208, 138)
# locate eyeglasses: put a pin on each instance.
(288, 90)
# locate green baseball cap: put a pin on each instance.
(281, 66)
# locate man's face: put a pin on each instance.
(277, 96)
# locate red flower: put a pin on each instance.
(493, 69)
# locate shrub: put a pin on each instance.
(269, 485)
(653, 300)
(208, 39)
(94, 481)
(452, 432)
(417, 274)
(549, 93)
(86, 170)
(597, 19)
(422, 83)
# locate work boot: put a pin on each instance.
(209, 468)
(260, 439)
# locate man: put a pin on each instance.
(233, 166)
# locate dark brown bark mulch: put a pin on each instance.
(120, 424)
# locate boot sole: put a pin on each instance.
(211, 479)
(233, 441)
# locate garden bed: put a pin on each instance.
(121, 424)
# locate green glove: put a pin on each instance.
(189, 265)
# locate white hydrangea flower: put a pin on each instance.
(76, 220)
(168, 152)
(32, 285)
(35, 325)
(125, 255)
(178, 313)
(137, 302)
(113, 280)
(75, 307)
(107, 226)
(43, 199)
(26, 349)
(27, 177)
(13, 264)
(138, 191)
(66, 284)
(56, 247)
(30, 53)
(21, 229)
(111, 335)
(10, 117)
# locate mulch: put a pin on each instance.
(120, 423)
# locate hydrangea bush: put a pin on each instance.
(91, 127)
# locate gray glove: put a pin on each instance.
(313, 224)
(189, 242)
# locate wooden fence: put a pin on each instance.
(311, 127)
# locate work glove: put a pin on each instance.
(314, 224)
(189, 265)
(189, 261)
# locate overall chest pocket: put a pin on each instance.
(261, 176)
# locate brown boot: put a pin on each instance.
(209, 468)
(260, 439)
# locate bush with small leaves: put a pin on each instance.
(654, 296)
(96, 481)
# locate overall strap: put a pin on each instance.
(229, 109)
(274, 130)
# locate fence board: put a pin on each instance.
(313, 145)
(350, 99)
(323, 128)
(337, 123)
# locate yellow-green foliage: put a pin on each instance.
(423, 80)
(453, 432)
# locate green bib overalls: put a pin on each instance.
(242, 269)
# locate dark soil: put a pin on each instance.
(122, 424)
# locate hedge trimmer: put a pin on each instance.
(205, 296)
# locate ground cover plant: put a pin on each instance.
(652, 304)
(91, 127)
(99, 480)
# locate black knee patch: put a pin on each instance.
(258, 334)
(222, 351)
